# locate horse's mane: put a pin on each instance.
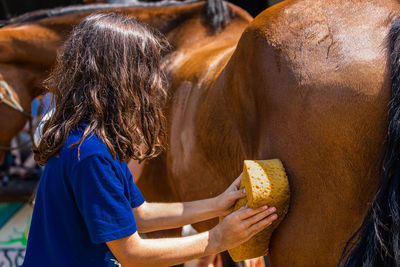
(33, 16)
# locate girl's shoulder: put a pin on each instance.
(91, 146)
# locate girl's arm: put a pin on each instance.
(159, 216)
(235, 229)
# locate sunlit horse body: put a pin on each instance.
(318, 99)
(307, 83)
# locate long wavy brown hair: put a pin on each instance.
(108, 74)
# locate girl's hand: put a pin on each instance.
(240, 226)
(225, 202)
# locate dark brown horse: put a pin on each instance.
(308, 83)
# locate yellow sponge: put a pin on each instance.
(266, 183)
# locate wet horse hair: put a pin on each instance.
(218, 12)
(376, 242)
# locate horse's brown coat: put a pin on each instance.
(307, 83)
(320, 91)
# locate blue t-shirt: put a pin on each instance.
(81, 204)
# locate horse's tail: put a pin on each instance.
(218, 13)
(376, 243)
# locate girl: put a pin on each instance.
(109, 91)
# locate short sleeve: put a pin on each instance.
(136, 197)
(100, 196)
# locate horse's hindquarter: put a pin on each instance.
(317, 72)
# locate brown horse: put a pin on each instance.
(307, 83)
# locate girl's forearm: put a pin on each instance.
(235, 229)
(159, 216)
(164, 251)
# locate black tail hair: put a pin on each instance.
(218, 13)
(376, 243)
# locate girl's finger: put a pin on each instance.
(259, 216)
(239, 194)
(260, 225)
(238, 181)
(243, 214)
